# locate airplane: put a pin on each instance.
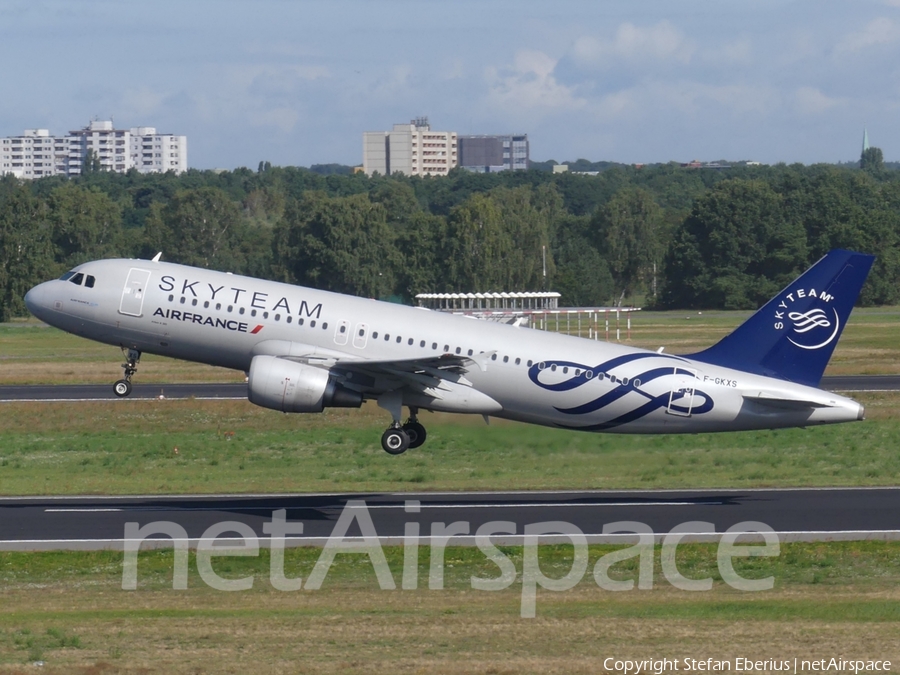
(305, 349)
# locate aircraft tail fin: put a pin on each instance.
(794, 334)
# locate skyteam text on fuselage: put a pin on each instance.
(305, 349)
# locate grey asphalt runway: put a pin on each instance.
(101, 392)
(795, 514)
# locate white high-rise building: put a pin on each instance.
(412, 149)
(36, 153)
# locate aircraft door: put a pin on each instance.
(134, 292)
(681, 396)
(341, 333)
(360, 335)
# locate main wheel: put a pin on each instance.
(122, 388)
(416, 433)
(394, 441)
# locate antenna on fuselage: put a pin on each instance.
(157, 257)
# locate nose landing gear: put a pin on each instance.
(123, 387)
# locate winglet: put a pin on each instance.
(794, 334)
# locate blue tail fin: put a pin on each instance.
(793, 336)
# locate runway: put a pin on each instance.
(104, 392)
(795, 514)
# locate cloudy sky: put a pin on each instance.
(298, 81)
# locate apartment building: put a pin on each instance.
(36, 153)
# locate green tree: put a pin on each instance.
(201, 227)
(26, 249)
(627, 230)
(872, 160)
(341, 244)
(87, 224)
(735, 250)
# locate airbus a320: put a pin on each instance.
(305, 349)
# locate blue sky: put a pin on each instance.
(297, 82)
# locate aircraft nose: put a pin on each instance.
(36, 299)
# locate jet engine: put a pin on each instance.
(289, 386)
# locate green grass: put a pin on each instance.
(68, 609)
(129, 447)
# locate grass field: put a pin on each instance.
(68, 610)
(129, 447)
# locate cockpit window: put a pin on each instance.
(77, 279)
(67, 276)
(89, 282)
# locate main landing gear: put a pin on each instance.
(398, 438)
(123, 387)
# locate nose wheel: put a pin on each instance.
(123, 387)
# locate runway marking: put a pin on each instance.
(371, 506)
(425, 538)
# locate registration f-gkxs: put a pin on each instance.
(305, 350)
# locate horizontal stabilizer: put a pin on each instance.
(780, 402)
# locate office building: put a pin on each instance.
(411, 149)
(487, 154)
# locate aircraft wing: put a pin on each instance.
(434, 377)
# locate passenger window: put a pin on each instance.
(77, 279)
(205, 303)
(422, 343)
(241, 311)
(458, 350)
(387, 337)
(518, 360)
(89, 282)
(410, 342)
(434, 345)
(343, 329)
(218, 305)
(194, 302)
(399, 339)
(300, 321)
(289, 318)
(505, 359)
(375, 335)
(446, 348)
(265, 314)
(325, 326)
(312, 324)
(494, 358)
(470, 352)
(278, 317)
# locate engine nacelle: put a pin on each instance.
(289, 386)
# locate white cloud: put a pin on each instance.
(283, 118)
(880, 31)
(529, 84)
(811, 101)
(634, 44)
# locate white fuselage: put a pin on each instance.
(533, 376)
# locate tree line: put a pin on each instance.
(661, 236)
